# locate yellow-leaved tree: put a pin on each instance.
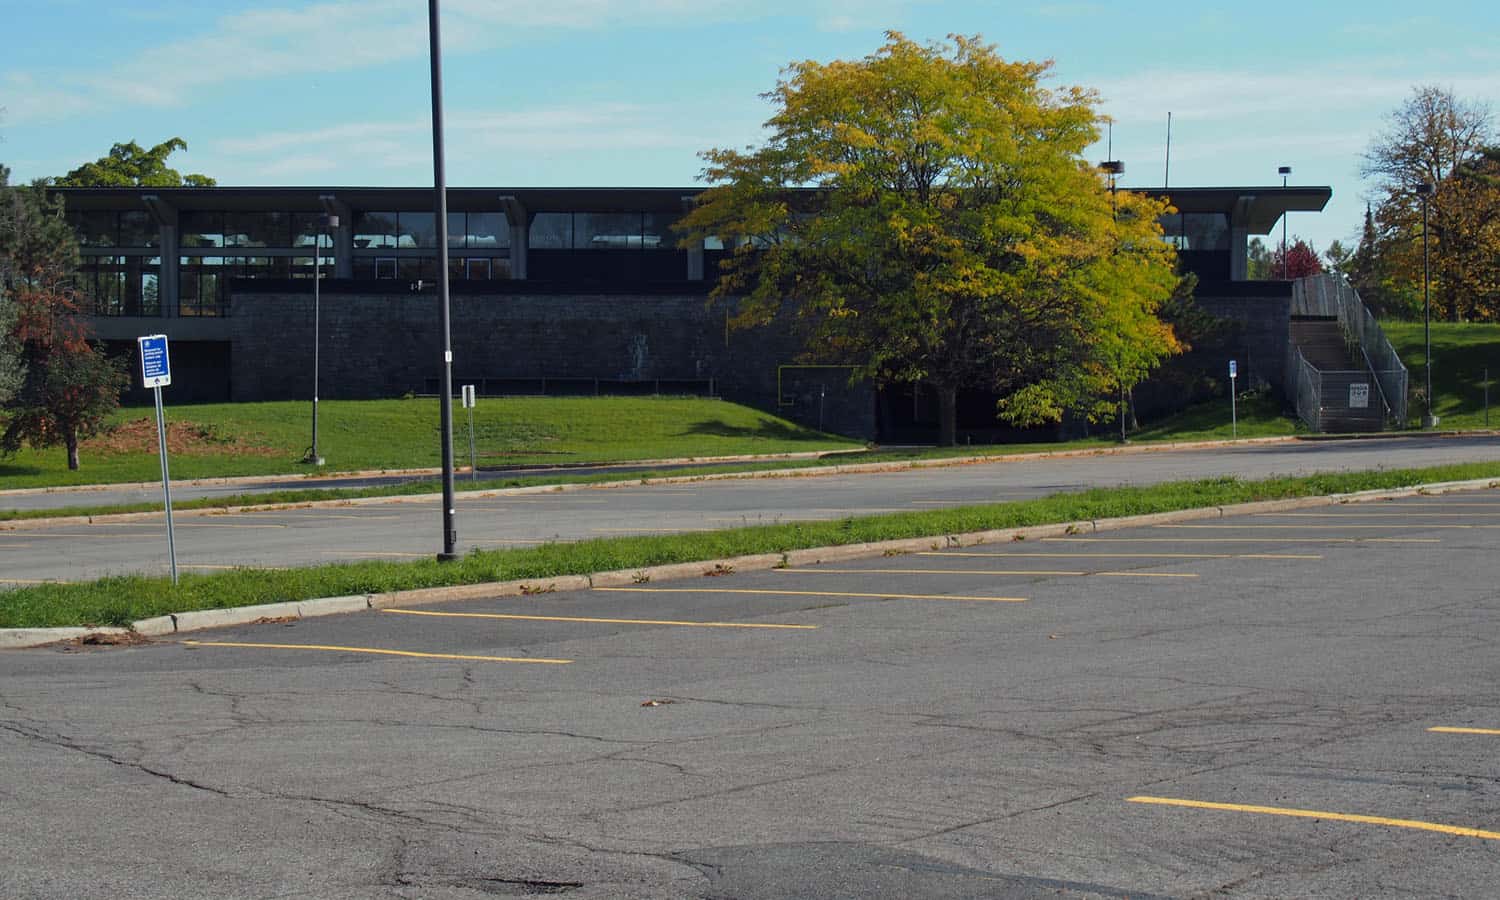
(926, 215)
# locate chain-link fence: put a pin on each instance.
(1305, 385)
(1331, 296)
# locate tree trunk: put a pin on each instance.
(947, 415)
(71, 439)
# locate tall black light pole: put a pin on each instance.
(324, 223)
(1284, 171)
(440, 189)
(1424, 191)
(1115, 168)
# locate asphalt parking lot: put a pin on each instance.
(1294, 704)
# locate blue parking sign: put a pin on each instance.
(156, 367)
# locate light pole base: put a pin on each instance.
(449, 557)
(1429, 421)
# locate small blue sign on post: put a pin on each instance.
(1234, 369)
(156, 373)
(156, 366)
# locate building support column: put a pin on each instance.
(695, 252)
(520, 235)
(343, 236)
(168, 276)
(1239, 238)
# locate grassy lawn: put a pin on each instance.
(220, 439)
(1258, 417)
(1460, 354)
(121, 600)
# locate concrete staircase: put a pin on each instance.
(1322, 342)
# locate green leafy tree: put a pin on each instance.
(1434, 137)
(957, 236)
(131, 165)
(1258, 260)
(10, 351)
(68, 386)
(1338, 258)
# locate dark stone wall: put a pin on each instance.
(1256, 337)
(388, 344)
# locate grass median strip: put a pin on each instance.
(119, 600)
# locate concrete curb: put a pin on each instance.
(178, 623)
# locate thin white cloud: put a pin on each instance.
(1209, 95)
(506, 137)
(326, 36)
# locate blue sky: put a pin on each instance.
(626, 92)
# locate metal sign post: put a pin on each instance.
(469, 405)
(1234, 416)
(156, 373)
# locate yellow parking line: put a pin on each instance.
(1318, 814)
(641, 590)
(1006, 553)
(1242, 526)
(1058, 572)
(454, 615)
(31, 581)
(1381, 515)
(1265, 540)
(1447, 729)
(74, 534)
(195, 525)
(293, 514)
(377, 651)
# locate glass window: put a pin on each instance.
(656, 231)
(713, 242)
(417, 229)
(417, 268)
(1171, 229)
(202, 229)
(257, 229)
(552, 231)
(456, 229)
(151, 287)
(1205, 231)
(375, 230)
(307, 225)
(138, 229)
(385, 267)
(486, 230)
(94, 228)
(599, 231)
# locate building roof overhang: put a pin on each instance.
(1256, 209)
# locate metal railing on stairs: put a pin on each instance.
(1330, 296)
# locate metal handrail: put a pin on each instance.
(1331, 296)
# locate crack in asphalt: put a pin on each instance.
(56, 740)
